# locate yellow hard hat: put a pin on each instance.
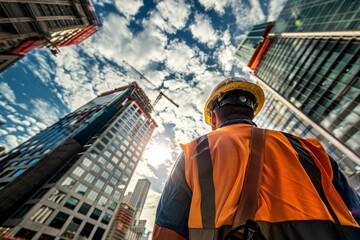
(230, 84)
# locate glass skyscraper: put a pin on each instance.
(67, 181)
(310, 62)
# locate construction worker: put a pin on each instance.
(301, 195)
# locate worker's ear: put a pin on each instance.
(213, 120)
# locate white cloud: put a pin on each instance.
(247, 15)
(203, 31)
(178, 56)
(129, 9)
(11, 141)
(20, 128)
(275, 8)
(218, 6)
(15, 119)
(44, 112)
(3, 132)
(11, 129)
(7, 92)
(174, 13)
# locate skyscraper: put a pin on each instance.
(25, 25)
(67, 180)
(122, 223)
(138, 197)
(308, 59)
(134, 204)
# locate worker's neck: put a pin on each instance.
(245, 120)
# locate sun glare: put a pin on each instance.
(157, 154)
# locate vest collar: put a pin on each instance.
(237, 121)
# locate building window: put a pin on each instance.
(86, 231)
(92, 195)
(112, 205)
(117, 173)
(81, 189)
(122, 166)
(12, 164)
(98, 234)
(57, 196)
(46, 237)
(115, 159)
(102, 201)
(86, 162)
(24, 210)
(18, 172)
(59, 220)
(125, 178)
(68, 182)
(117, 195)
(73, 227)
(105, 141)
(22, 163)
(99, 184)
(96, 168)
(35, 160)
(71, 202)
(109, 190)
(113, 180)
(119, 153)
(95, 214)
(105, 174)
(106, 219)
(99, 146)
(24, 233)
(110, 166)
(78, 171)
(102, 160)
(89, 178)
(84, 209)
(93, 154)
(107, 154)
(42, 214)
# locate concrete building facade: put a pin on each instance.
(67, 181)
(28, 24)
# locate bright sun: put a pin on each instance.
(157, 154)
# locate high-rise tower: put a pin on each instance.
(132, 203)
(67, 180)
(26, 24)
(309, 61)
(138, 197)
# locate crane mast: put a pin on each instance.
(142, 76)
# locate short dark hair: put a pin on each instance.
(229, 112)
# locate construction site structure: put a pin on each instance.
(29, 24)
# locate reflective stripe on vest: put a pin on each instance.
(205, 170)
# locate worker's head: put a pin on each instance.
(233, 98)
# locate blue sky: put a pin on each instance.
(185, 45)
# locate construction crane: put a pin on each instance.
(142, 76)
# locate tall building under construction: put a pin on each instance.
(308, 61)
(26, 24)
(127, 224)
(67, 182)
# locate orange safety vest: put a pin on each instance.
(296, 192)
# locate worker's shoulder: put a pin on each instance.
(293, 139)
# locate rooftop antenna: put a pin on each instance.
(142, 76)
